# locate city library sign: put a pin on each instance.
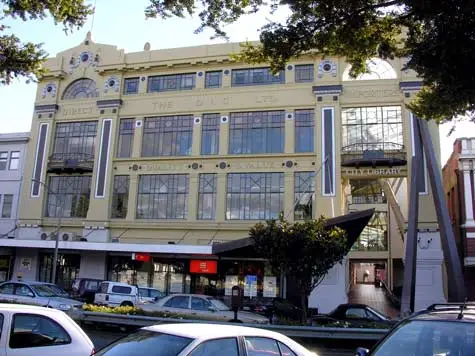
(381, 172)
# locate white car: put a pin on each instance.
(114, 294)
(205, 340)
(28, 330)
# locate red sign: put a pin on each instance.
(142, 257)
(202, 266)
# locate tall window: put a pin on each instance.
(256, 76)
(75, 140)
(210, 134)
(162, 196)
(304, 195)
(7, 206)
(126, 138)
(171, 82)
(120, 197)
(14, 160)
(372, 128)
(304, 73)
(3, 160)
(213, 79)
(167, 136)
(254, 196)
(374, 236)
(256, 132)
(68, 196)
(304, 130)
(131, 85)
(367, 191)
(207, 197)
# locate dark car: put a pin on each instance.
(442, 329)
(355, 315)
(269, 307)
(84, 289)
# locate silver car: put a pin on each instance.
(35, 293)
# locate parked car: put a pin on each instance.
(36, 293)
(203, 307)
(442, 330)
(60, 292)
(84, 289)
(355, 314)
(115, 294)
(205, 340)
(28, 330)
(270, 307)
(150, 295)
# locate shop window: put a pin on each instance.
(14, 160)
(68, 196)
(210, 134)
(304, 131)
(167, 136)
(75, 140)
(7, 206)
(207, 196)
(304, 195)
(213, 79)
(66, 272)
(304, 73)
(120, 197)
(180, 302)
(256, 76)
(171, 82)
(256, 132)
(131, 85)
(218, 347)
(126, 138)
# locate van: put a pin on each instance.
(114, 294)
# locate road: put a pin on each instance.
(322, 348)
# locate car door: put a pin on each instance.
(24, 294)
(217, 347)
(3, 331)
(179, 304)
(201, 309)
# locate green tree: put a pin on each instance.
(305, 251)
(438, 37)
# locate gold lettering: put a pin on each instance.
(266, 99)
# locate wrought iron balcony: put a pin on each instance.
(70, 163)
(367, 199)
(373, 155)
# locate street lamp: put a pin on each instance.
(56, 243)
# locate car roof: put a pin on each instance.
(191, 295)
(28, 308)
(447, 312)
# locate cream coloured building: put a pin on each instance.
(151, 158)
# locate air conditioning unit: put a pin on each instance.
(68, 236)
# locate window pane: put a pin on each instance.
(75, 140)
(217, 347)
(120, 197)
(304, 131)
(304, 191)
(180, 302)
(68, 196)
(256, 76)
(210, 134)
(207, 197)
(304, 73)
(213, 79)
(14, 160)
(171, 82)
(3, 160)
(126, 138)
(36, 331)
(285, 351)
(7, 206)
(131, 86)
(257, 346)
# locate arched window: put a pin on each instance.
(81, 89)
(378, 69)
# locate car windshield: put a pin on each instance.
(429, 337)
(43, 291)
(57, 290)
(218, 304)
(143, 341)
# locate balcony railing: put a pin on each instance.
(71, 163)
(367, 199)
(373, 154)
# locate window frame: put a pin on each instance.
(306, 68)
(117, 194)
(239, 351)
(210, 130)
(304, 126)
(3, 160)
(125, 132)
(61, 198)
(249, 74)
(159, 83)
(10, 196)
(204, 195)
(302, 191)
(83, 131)
(14, 159)
(127, 81)
(213, 74)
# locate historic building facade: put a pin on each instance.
(147, 159)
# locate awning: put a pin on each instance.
(353, 223)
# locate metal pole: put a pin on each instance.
(56, 233)
(457, 289)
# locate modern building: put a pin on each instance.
(459, 184)
(12, 159)
(149, 159)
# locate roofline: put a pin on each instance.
(15, 137)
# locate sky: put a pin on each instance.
(122, 23)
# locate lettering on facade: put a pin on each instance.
(78, 111)
(165, 167)
(266, 99)
(162, 105)
(373, 172)
(195, 101)
(258, 165)
(372, 93)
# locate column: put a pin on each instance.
(468, 197)
(196, 139)
(289, 196)
(193, 196)
(289, 136)
(221, 198)
(290, 74)
(138, 134)
(200, 80)
(224, 134)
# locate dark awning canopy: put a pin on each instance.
(353, 223)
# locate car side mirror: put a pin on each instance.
(361, 351)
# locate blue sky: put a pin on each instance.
(122, 23)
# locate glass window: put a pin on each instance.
(83, 88)
(30, 330)
(126, 138)
(14, 160)
(218, 347)
(121, 290)
(143, 341)
(210, 134)
(304, 73)
(120, 197)
(372, 129)
(260, 346)
(207, 197)
(162, 196)
(131, 85)
(285, 350)
(24, 291)
(7, 206)
(7, 288)
(256, 132)
(68, 196)
(304, 195)
(304, 130)
(256, 76)
(171, 82)
(75, 140)
(200, 304)
(254, 196)
(3, 160)
(355, 313)
(213, 79)
(178, 302)
(374, 235)
(367, 191)
(167, 136)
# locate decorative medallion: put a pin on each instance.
(49, 90)
(327, 66)
(85, 59)
(112, 84)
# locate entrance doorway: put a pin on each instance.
(374, 273)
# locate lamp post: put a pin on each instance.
(58, 226)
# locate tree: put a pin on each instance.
(438, 37)
(305, 251)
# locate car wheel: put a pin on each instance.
(126, 304)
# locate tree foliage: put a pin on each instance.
(438, 37)
(306, 251)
